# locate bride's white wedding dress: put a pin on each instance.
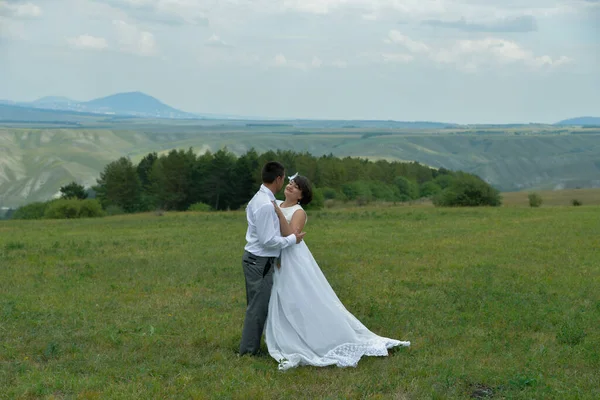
(307, 324)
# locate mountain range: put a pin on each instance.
(135, 104)
(580, 121)
(141, 105)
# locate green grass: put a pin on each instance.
(500, 302)
(563, 197)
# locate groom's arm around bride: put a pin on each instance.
(263, 246)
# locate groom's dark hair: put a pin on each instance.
(271, 171)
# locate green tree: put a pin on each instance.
(90, 208)
(33, 210)
(379, 171)
(171, 180)
(535, 200)
(330, 193)
(119, 185)
(148, 200)
(358, 190)
(422, 173)
(306, 165)
(144, 169)
(199, 177)
(219, 187)
(330, 171)
(383, 191)
(267, 156)
(407, 189)
(243, 177)
(444, 180)
(288, 159)
(429, 189)
(73, 191)
(63, 209)
(468, 190)
(318, 201)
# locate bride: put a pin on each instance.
(307, 324)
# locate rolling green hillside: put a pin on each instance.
(35, 162)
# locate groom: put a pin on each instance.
(263, 246)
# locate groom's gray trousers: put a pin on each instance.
(258, 272)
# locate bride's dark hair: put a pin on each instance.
(306, 189)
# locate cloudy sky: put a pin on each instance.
(464, 61)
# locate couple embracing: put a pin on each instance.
(287, 295)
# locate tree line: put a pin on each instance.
(221, 180)
(182, 180)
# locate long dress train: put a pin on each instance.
(307, 324)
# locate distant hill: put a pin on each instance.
(51, 100)
(135, 104)
(368, 124)
(138, 104)
(581, 121)
(17, 113)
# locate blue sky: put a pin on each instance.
(464, 61)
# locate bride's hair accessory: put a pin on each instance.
(291, 178)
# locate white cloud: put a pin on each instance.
(411, 45)
(524, 23)
(20, 10)
(239, 58)
(476, 12)
(189, 11)
(370, 17)
(13, 19)
(171, 12)
(397, 58)
(134, 40)
(313, 6)
(84, 42)
(96, 10)
(216, 41)
(281, 61)
(339, 64)
(10, 28)
(470, 54)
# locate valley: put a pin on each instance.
(35, 161)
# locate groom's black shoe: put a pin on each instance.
(259, 353)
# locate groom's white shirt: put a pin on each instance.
(263, 237)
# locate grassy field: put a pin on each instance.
(563, 197)
(498, 303)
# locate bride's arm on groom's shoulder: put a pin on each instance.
(295, 226)
(283, 224)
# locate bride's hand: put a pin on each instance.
(277, 210)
